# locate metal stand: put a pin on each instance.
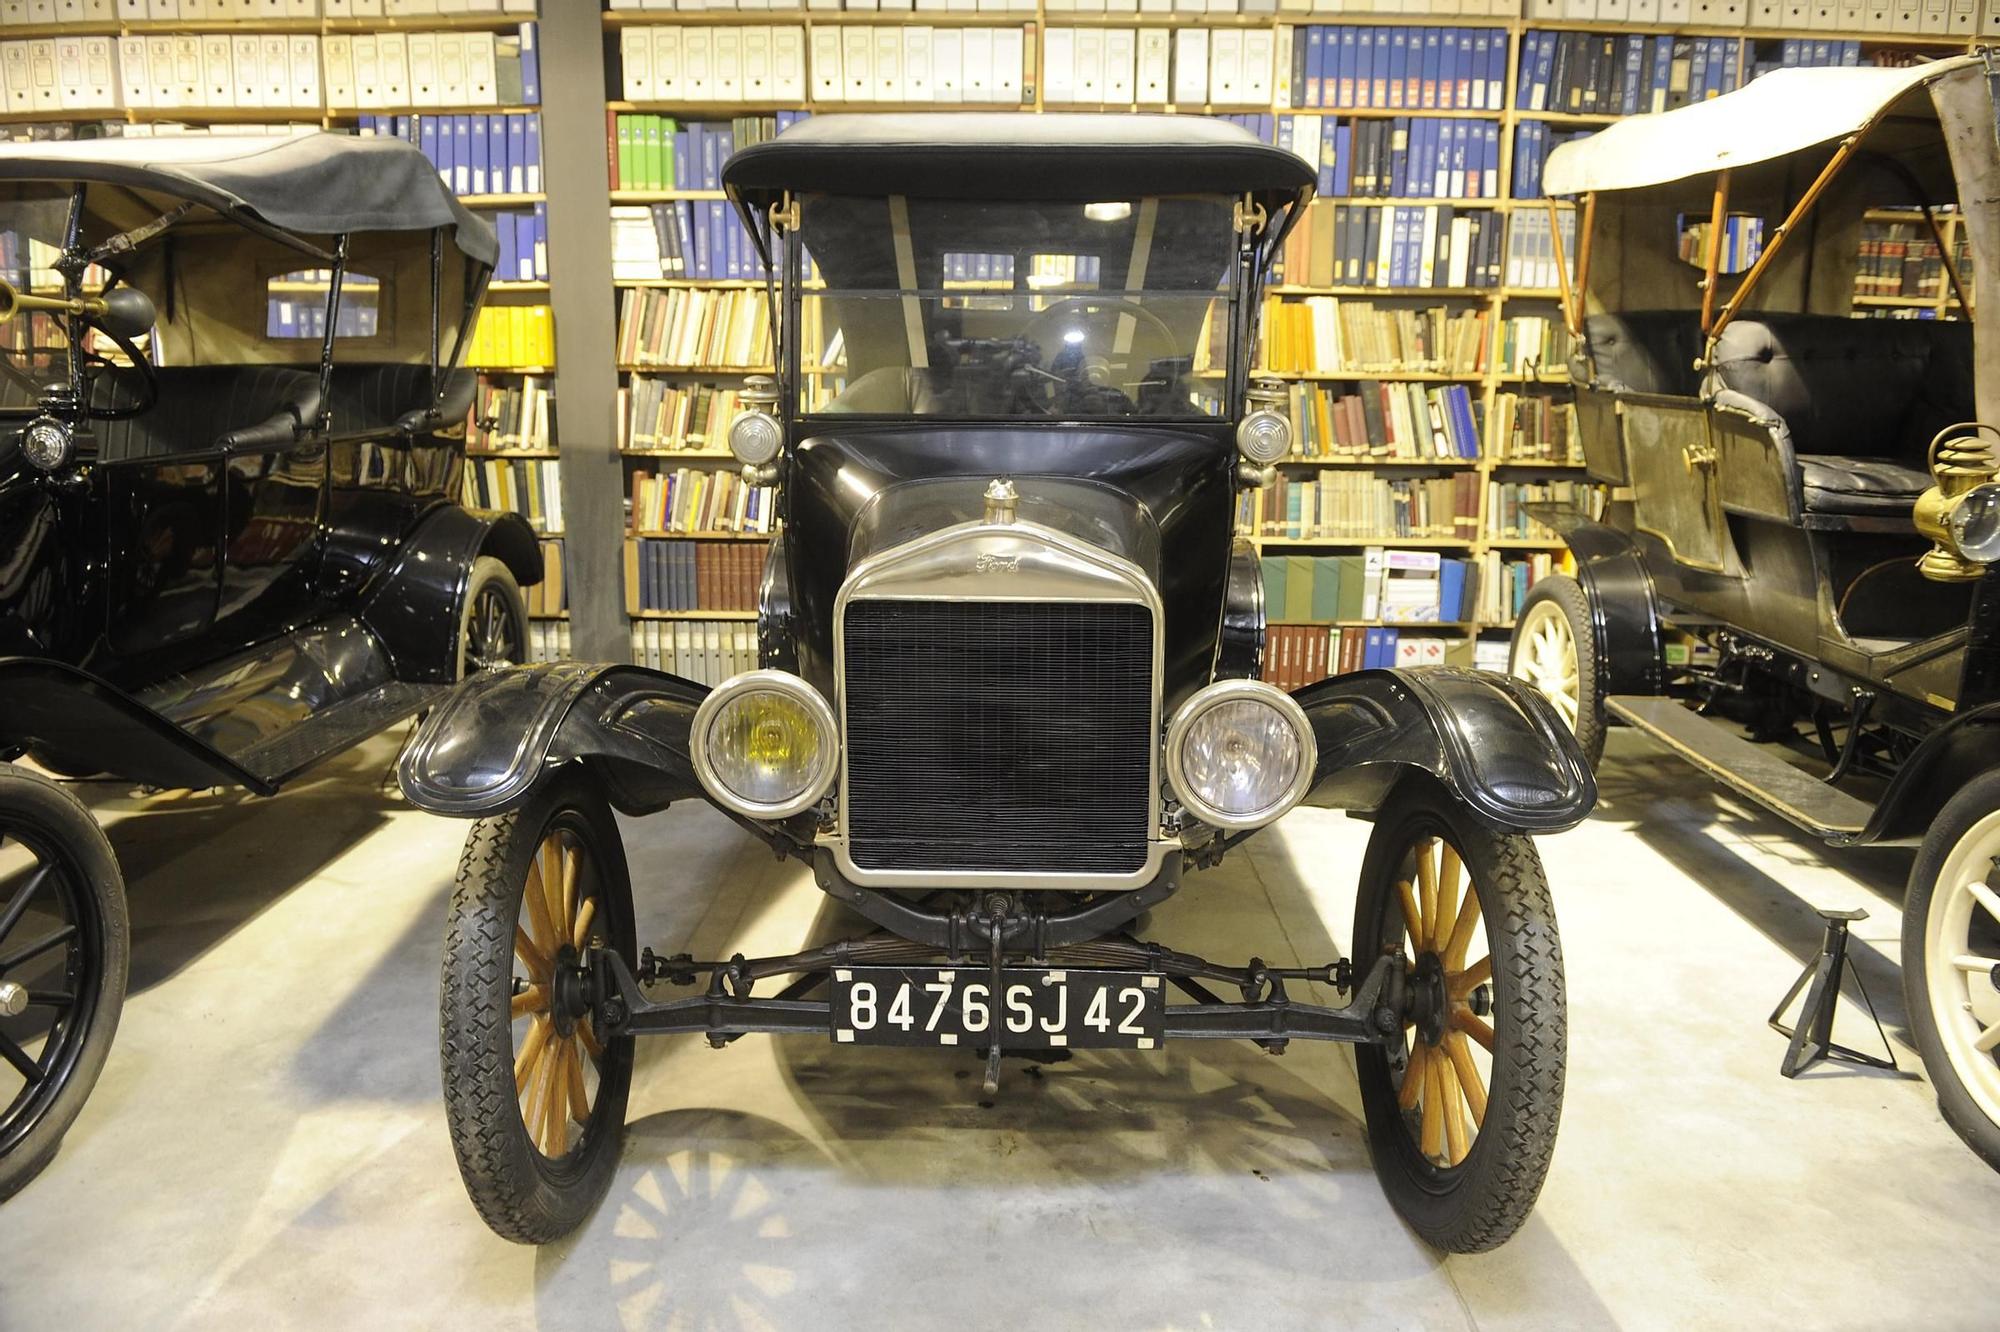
(1812, 1039)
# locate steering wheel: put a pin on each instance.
(1049, 391)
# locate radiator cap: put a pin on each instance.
(1001, 500)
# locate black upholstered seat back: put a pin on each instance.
(1874, 388)
(371, 395)
(1644, 351)
(197, 405)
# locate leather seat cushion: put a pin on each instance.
(1859, 485)
(198, 404)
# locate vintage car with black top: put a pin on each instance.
(1008, 696)
(230, 544)
(1813, 495)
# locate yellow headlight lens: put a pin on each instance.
(766, 747)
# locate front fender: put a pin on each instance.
(1493, 742)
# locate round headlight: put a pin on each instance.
(1264, 436)
(46, 443)
(764, 744)
(1240, 753)
(1975, 524)
(754, 437)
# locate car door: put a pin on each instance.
(274, 510)
(1671, 454)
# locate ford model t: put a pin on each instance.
(1813, 495)
(1008, 696)
(229, 546)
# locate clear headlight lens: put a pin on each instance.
(764, 744)
(1264, 436)
(754, 437)
(1975, 524)
(46, 443)
(1239, 754)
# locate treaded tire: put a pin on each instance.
(523, 1195)
(1569, 598)
(1973, 805)
(1479, 1203)
(491, 577)
(59, 821)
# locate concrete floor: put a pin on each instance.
(268, 1142)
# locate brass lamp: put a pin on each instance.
(1960, 513)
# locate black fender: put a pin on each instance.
(1936, 770)
(1239, 646)
(1494, 742)
(75, 722)
(422, 590)
(500, 734)
(1624, 609)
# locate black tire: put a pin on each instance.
(77, 885)
(492, 620)
(1482, 1199)
(525, 1194)
(1947, 1006)
(1564, 596)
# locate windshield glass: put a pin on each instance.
(1012, 310)
(34, 348)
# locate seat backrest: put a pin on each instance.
(374, 395)
(197, 405)
(1642, 351)
(1851, 387)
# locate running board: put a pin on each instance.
(1753, 770)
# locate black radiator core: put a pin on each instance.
(998, 735)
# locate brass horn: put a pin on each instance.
(13, 300)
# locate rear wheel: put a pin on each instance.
(1951, 962)
(1462, 1122)
(63, 950)
(534, 1095)
(1555, 649)
(493, 624)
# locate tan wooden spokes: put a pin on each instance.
(555, 1075)
(1445, 1083)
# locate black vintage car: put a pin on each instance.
(1813, 496)
(230, 442)
(1008, 696)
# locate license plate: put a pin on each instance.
(1035, 1007)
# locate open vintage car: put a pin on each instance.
(229, 539)
(1008, 695)
(1813, 495)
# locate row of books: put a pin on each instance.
(1394, 586)
(280, 70)
(1375, 419)
(512, 337)
(1156, 66)
(296, 306)
(1189, 8)
(1742, 241)
(704, 651)
(1501, 585)
(692, 575)
(1362, 505)
(1926, 17)
(530, 487)
(1534, 140)
(512, 414)
(681, 327)
(655, 413)
(1531, 249)
(1533, 427)
(854, 63)
(1507, 505)
(133, 11)
(1322, 334)
(524, 244)
(688, 238)
(1425, 157)
(487, 153)
(1533, 345)
(1593, 73)
(651, 152)
(548, 640)
(692, 499)
(1398, 68)
(1803, 53)
(1899, 259)
(551, 595)
(1296, 655)
(1404, 245)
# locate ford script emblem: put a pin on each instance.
(997, 564)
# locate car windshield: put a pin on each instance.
(984, 310)
(34, 349)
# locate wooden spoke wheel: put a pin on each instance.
(534, 1090)
(63, 952)
(1554, 648)
(494, 632)
(1462, 1106)
(1951, 962)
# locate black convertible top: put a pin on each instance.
(1014, 154)
(309, 184)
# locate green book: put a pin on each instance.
(1274, 586)
(1298, 589)
(1326, 588)
(1352, 568)
(628, 153)
(655, 154)
(667, 131)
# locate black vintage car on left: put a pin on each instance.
(231, 420)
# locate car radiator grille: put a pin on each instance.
(995, 735)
